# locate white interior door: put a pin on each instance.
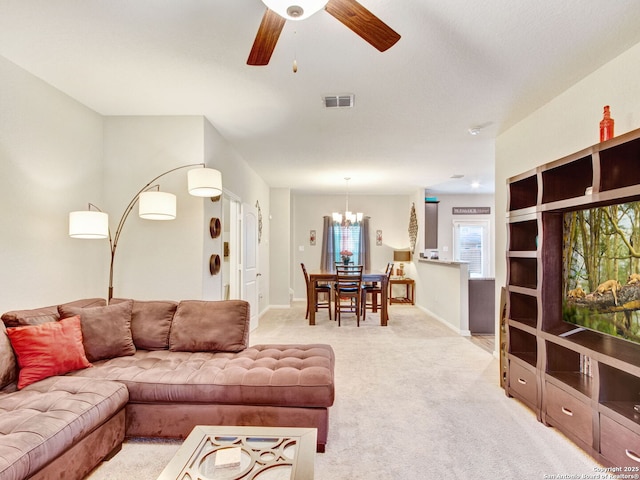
(249, 260)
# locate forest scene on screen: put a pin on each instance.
(601, 269)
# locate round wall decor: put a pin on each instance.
(214, 264)
(215, 227)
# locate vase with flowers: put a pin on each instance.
(346, 256)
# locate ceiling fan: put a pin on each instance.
(349, 12)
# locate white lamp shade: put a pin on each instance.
(295, 9)
(157, 206)
(337, 217)
(204, 182)
(88, 224)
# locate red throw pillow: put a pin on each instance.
(53, 348)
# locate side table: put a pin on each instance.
(410, 286)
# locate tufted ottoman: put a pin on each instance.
(172, 392)
(60, 427)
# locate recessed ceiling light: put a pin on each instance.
(474, 131)
(475, 184)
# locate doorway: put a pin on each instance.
(240, 266)
(231, 284)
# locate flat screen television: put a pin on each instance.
(601, 269)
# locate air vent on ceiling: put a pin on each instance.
(338, 101)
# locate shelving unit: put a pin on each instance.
(585, 383)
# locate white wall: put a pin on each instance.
(51, 164)
(56, 155)
(170, 259)
(155, 259)
(566, 125)
(280, 251)
(444, 292)
(389, 213)
(241, 180)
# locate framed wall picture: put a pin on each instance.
(312, 237)
(378, 237)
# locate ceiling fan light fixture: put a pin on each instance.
(295, 11)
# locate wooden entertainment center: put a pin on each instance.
(582, 382)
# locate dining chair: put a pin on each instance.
(321, 289)
(374, 290)
(348, 287)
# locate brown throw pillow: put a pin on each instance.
(200, 326)
(8, 362)
(38, 316)
(106, 331)
(150, 322)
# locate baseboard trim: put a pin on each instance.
(463, 333)
(275, 307)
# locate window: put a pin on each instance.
(347, 238)
(471, 245)
(336, 238)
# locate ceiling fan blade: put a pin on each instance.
(361, 21)
(266, 38)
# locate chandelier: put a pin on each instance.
(348, 217)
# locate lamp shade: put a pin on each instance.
(88, 224)
(157, 206)
(295, 9)
(401, 256)
(204, 182)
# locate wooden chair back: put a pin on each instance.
(348, 287)
(348, 275)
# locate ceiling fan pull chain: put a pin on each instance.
(295, 51)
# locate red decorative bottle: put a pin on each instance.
(606, 125)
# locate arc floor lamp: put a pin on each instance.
(153, 204)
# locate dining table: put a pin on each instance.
(329, 276)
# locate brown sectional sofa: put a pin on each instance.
(173, 365)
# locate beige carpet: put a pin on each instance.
(413, 401)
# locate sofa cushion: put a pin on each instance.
(53, 348)
(150, 323)
(37, 316)
(201, 326)
(8, 364)
(106, 331)
(276, 375)
(40, 422)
